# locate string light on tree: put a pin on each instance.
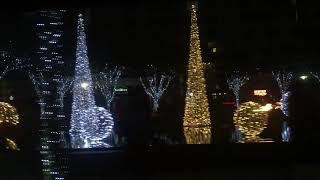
(9, 62)
(38, 82)
(63, 86)
(286, 132)
(237, 136)
(316, 75)
(106, 81)
(284, 80)
(90, 125)
(8, 114)
(196, 121)
(235, 82)
(155, 86)
(11, 145)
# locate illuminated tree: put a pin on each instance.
(106, 82)
(155, 86)
(284, 80)
(38, 82)
(8, 114)
(316, 75)
(286, 132)
(11, 145)
(236, 136)
(251, 119)
(47, 155)
(90, 125)
(235, 82)
(10, 63)
(63, 86)
(196, 121)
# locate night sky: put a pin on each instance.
(247, 33)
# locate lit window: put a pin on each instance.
(214, 50)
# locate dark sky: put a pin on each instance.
(246, 32)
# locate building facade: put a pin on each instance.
(48, 68)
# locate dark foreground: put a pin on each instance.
(234, 161)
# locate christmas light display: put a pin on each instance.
(284, 79)
(155, 86)
(38, 82)
(11, 145)
(10, 63)
(286, 132)
(251, 119)
(106, 81)
(63, 86)
(236, 136)
(8, 114)
(104, 129)
(90, 125)
(197, 135)
(196, 121)
(235, 82)
(316, 75)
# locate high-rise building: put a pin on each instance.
(48, 26)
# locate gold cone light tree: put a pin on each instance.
(196, 121)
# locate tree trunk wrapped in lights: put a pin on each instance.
(48, 156)
(63, 86)
(106, 81)
(284, 80)
(286, 132)
(90, 125)
(196, 121)
(155, 86)
(235, 82)
(38, 82)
